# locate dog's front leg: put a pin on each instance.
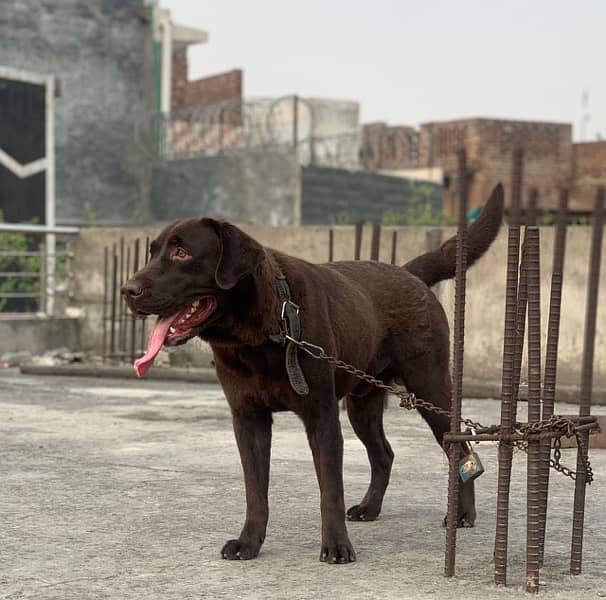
(253, 436)
(326, 441)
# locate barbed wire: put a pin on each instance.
(284, 125)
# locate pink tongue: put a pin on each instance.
(154, 345)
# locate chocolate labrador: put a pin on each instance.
(208, 278)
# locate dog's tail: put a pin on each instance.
(438, 265)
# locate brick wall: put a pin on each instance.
(490, 145)
(202, 92)
(589, 171)
(390, 147)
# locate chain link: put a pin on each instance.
(564, 426)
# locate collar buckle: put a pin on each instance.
(286, 303)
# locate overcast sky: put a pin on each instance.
(412, 61)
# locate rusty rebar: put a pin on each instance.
(520, 324)
(531, 209)
(576, 551)
(551, 352)
(133, 320)
(144, 320)
(358, 240)
(112, 331)
(119, 299)
(375, 242)
(533, 515)
(331, 245)
(105, 294)
(454, 450)
(394, 246)
(507, 404)
(124, 305)
(517, 437)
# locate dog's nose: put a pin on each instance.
(131, 289)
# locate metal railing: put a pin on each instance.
(35, 269)
(124, 334)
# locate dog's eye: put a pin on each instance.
(180, 254)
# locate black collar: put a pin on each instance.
(290, 327)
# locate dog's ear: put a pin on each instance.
(239, 254)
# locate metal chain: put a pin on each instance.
(408, 400)
(554, 462)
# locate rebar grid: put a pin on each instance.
(358, 240)
(454, 450)
(588, 424)
(533, 514)
(533, 205)
(521, 308)
(576, 550)
(133, 323)
(507, 403)
(551, 352)
(394, 246)
(375, 242)
(120, 303)
(114, 285)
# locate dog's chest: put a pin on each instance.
(266, 361)
(257, 373)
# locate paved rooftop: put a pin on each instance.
(123, 489)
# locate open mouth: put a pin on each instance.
(169, 331)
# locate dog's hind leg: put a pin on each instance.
(429, 379)
(366, 416)
(467, 511)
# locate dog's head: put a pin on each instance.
(193, 265)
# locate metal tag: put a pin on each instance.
(470, 467)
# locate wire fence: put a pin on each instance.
(278, 124)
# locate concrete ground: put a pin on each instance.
(127, 490)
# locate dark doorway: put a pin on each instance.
(22, 137)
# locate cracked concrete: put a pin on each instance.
(126, 489)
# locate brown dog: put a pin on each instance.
(208, 278)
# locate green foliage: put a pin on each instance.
(546, 217)
(16, 243)
(393, 217)
(418, 209)
(91, 219)
(341, 219)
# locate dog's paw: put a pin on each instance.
(363, 512)
(338, 554)
(240, 550)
